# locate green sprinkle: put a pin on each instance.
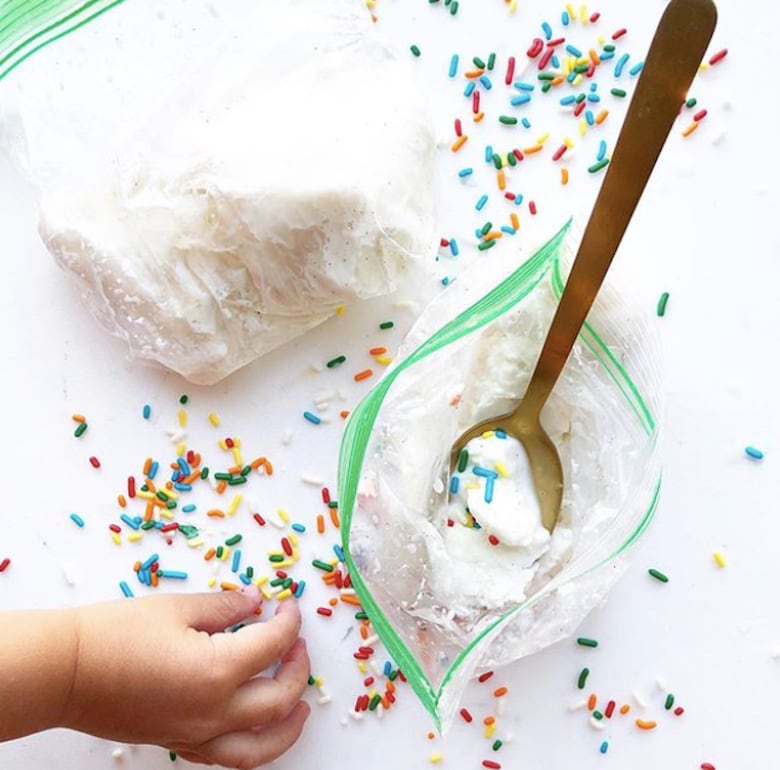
(454, 8)
(171, 504)
(147, 525)
(375, 701)
(497, 745)
(463, 460)
(691, 103)
(584, 641)
(204, 474)
(250, 572)
(220, 551)
(415, 50)
(658, 575)
(183, 399)
(172, 755)
(323, 565)
(485, 245)
(598, 715)
(276, 557)
(546, 87)
(393, 675)
(609, 47)
(246, 470)
(361, 615)
(333, 504)
(223, 476)
(669, 702)
(547, 75)
(233, 540)
(619, 92)
(581, 69)
(162, 496)
(478, 63)
(386, 325)
(512, 160)
(145, 488)
(497, 161)
(596, 167)
(236, 480)
(287, 582)
(486, 228)
(661, 309)
(82, 426)
(491, 61)
(583, 678)
(337, 361)
(276, 582)
(507, 120)
(581, 98)
(188, 531)
(311, 680)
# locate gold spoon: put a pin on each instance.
(676, 52)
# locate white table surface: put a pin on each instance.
(705, 231)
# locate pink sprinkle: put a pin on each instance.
(510, 71)
(458, 127)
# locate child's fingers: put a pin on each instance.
(258, 646)
(262, 701)
(216, 612)
(252, 748)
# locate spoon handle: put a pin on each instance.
(675, 54)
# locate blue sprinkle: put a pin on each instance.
(445, 281)
(621, 63)
(176, 475)
(485, 473)
(605, 55)
(594, 98)
(77, 520)
(300, 589)
(454, 65)
(590, 118)
(339, 551)
(454, 247)
(517, 101)
(481, 203)
(454, 485)
(188, 508)
(508, 230)
(236, 560)
(388, 669)
(500, 433)
(518, 199)
(488, 154)
(173, 574)
(182, 487)
(547, 29)
(602, 153)
(565, 18)
(604, 746)
(486, 84)
(636, 69)
(184, 465)
(594, 86)
(521, 86)
(130, 522)
(245, 579)
(464, 172)
(144, 577)
(571, 77)
(298, 527)
(555, 61)
(126, 590)
(312, 418)
(526, 123)
(756, 454)
(567, 100)
(478, 233)
(573, 50)
(147, 413)
(489, 490)
(151, 560)
(470, 86)
(153, 468)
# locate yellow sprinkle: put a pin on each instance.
(459, 142)
(577, 80)
(501, 469)
(568, 65)
(372, 692)
(584, 18)
(543, 138)
(214, 419)
(362, 667)
(115, 537)
(501, 180)
(134, 537)
(334, 562)
(182, 418)
(282, 514)
(284, 564)
(293, 538)
(478, 117)
(173, 495)
(195, 542)
(145, 495)
(212, 582)
(266, 593)
(601, 40)
(234, 503)
(285, 594)
(489, 730)
(166, 514)
(237, 460)
(319, 681)
(370, 3)
(384, 360)
(703, 66)
(688, 131)
(341, 309)
(225, 553)
(570, 11)
(434, 759)
(472, 485)
(568, 142)
(488, 434)
(221, 444)
(512, 6)
(583, 126)
(261, 581)
(719, 560)
(181, 449)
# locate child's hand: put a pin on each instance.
(158, 670)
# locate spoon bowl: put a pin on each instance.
(675, 55)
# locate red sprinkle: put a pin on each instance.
(327, 611)
(536, 48)
(475, 102)
(466, 714)
(510, 196)
(609, 710)
(559, 152)
(170, 527)
(679, 711)
(368, 681)
(131, 486)
(491, 764)
(493, 540)
(259, 519)
(287, 547)
(579, 109)
(94, 462)
(444, 243)
(115, 528)
(4, 564)
(707, 766)
(700, 115)
(510, 71)
(458, 132)
(719, 56)
(484, 677)
(546, 57)
(557, 41)
(532, 207)
(622, 31)
(229, 443)
(594, 17)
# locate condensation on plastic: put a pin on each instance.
(182, 181)
(390, 534)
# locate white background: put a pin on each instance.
(705, 232)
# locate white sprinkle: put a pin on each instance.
(178, 437)
(379, 711)
(324, 699)
(195, 542)
(287, 437)
(118, 754)
(640, 701)
(343, 721)
(315, 481)
(501, 707)
(347, 591)
(371, 641)
(438, 486)
(660, 683)
(356, 715)
(509, 738)
(316, 366)
(407, 304)
(597, 724)
(69, 573)
(578, 704)
(375, 669)
(718, 138)
(275, 521)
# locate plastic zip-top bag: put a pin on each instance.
(446, 597)
(203, 178)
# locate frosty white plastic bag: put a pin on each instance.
(214, 207)
(444, 612)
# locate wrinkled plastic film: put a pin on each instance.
(431, 610)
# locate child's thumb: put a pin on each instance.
(216, 612)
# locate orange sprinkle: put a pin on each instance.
(478, 117)
(515, 220)
(235, 469)
(594, 57)
(688, 131)
(487, 721)
(363, 632)
(625, 708)
(320, 524)
(333, 602)
(459, 142)
(385, 702)
(79, 418)
(192, 478)
(473, 74)
(329, 578)
(344, 414)
(209, 555)
(195, 460)
(228, 586)
(215, 513)
(643, 724)
(151, 486)
(256, 463)
(269, 469)
(377, 351)
(155, 579)
(602, 116)
(350, 599)
(501, 180)
(334, 517)
(137, 566)
(556, 81)
(431, 736)
(592, 701)
(122, 502)
(159, 503)
(221, 486)
(532, 150)
(149, 512)
(500, 692)
(391, 687)
(564, 176)
(493, 235)
(147, 466)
